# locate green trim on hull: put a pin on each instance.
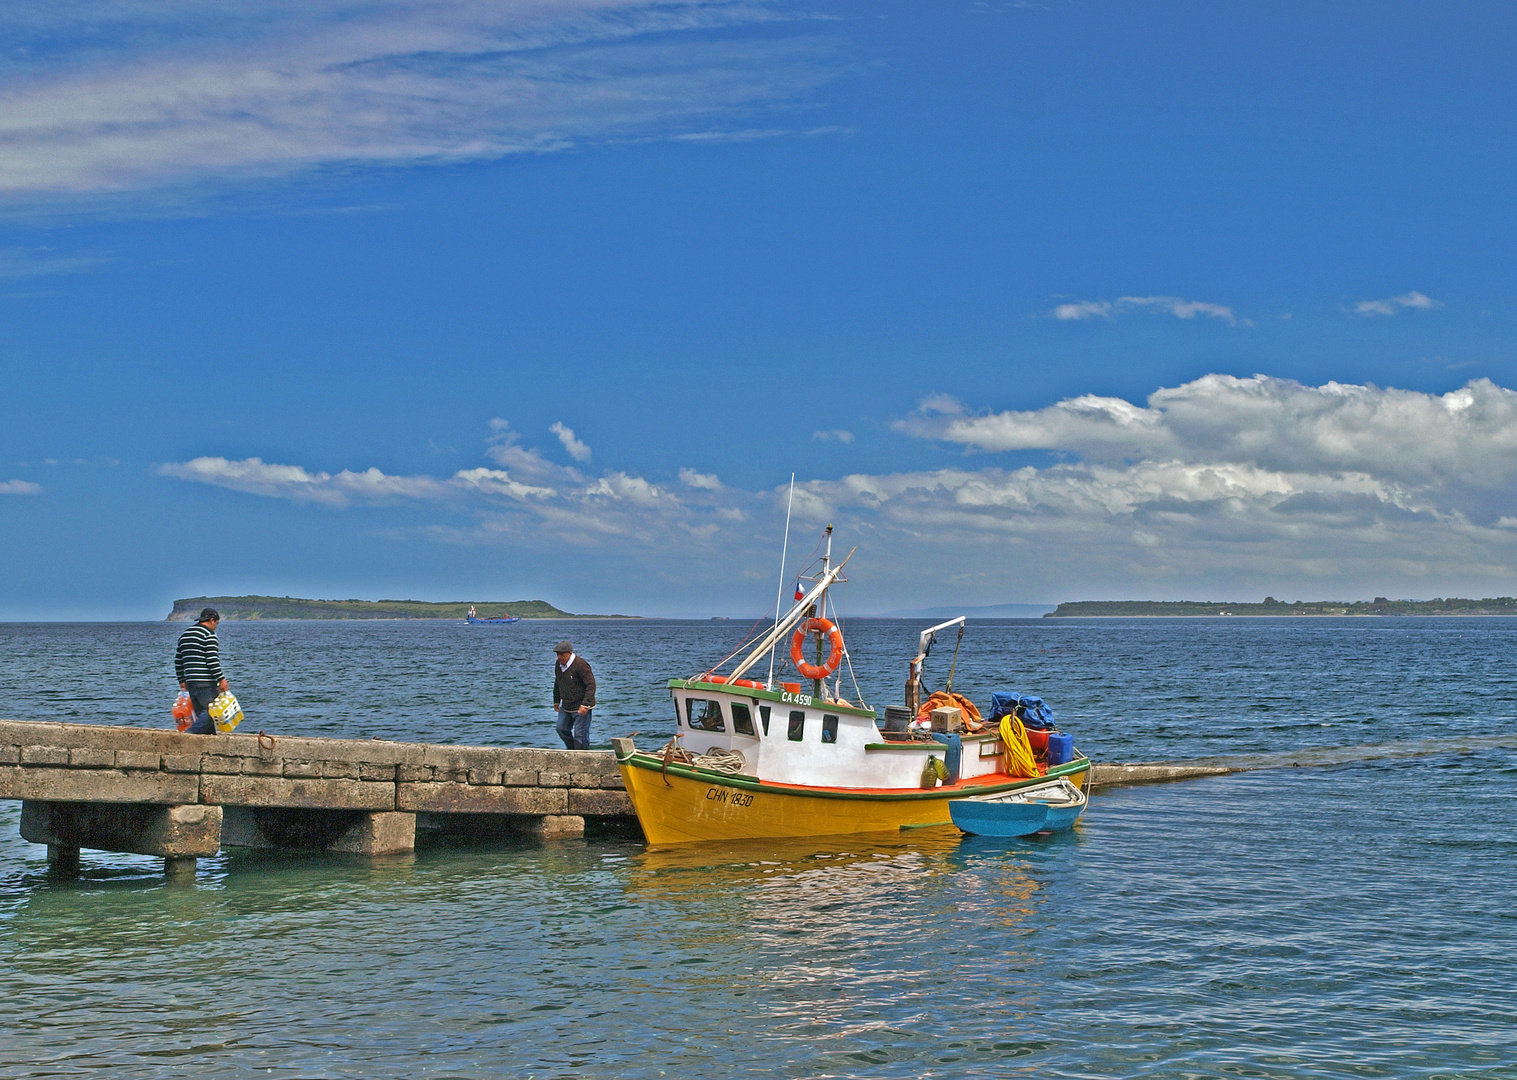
(784, 697)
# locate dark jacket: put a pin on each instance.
(574, 687)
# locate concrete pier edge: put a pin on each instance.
(184, 797)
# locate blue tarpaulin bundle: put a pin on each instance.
(1030, 710)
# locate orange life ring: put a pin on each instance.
(834, 648)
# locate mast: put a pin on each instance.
(821, 611)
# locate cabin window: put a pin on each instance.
(797, 725)
(764, 719)
(742, 719)
(704, 714)
(829, 729)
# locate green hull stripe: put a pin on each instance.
(653, 763)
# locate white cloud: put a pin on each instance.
(1169, 305)
(1239, 478)
(1463, 440)
(1391, 304)
(505, 449)
(101, 97)
(576, 449)
(257, 477)
(1224, 485)
(834, 435)
(19, 487)
(705, 481)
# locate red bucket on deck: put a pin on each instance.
(793, 687)
(1037, 739)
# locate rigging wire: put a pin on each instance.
(779, 591)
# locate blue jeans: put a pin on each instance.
(574, 729)
(201, 697)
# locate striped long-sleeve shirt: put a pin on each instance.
(198, 657)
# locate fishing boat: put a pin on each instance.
(752, 758)
(497, 620)
(1046, 807)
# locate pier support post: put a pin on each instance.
(360, 832)
(182, 831)
(180, 867)
(555, 826)
(380, 833)
(63, 860)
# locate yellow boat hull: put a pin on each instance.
(683, 805)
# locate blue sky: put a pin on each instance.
(1040, 301)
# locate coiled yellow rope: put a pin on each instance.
(1019, 760)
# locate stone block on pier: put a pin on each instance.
(44, 755)
(138, 759)
(97, 785)
(480, 799)
(599, 802)
(282, 792)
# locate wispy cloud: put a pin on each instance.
(1180, 308)
(104, 98)
(257, 477)
(19, 487)
(576, 449)
(833, 435)
(1391, 304)
(18, 263)
(527, 496)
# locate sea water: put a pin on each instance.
(1345, 911)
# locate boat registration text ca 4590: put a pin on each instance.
(794, 699)
(728, 796)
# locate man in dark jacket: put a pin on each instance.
(573, 697)
(197, 663)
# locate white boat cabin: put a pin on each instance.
(793, 738)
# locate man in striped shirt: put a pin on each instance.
(197, 662)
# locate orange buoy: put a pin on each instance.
(834, 648)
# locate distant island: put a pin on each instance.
(292, 607)
(1088, 609)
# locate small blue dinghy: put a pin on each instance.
(1041, 808)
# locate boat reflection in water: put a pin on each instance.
(808, 926)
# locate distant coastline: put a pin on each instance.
(1095, 609)
(252, 608)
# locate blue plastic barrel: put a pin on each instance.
(1061, 748)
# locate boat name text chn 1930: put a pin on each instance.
(728, 796)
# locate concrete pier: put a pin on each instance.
(184, 797)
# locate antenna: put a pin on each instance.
(780, 592)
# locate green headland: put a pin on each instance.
(1088, 609)
(293, 607)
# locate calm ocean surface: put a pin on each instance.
(1354, 918)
